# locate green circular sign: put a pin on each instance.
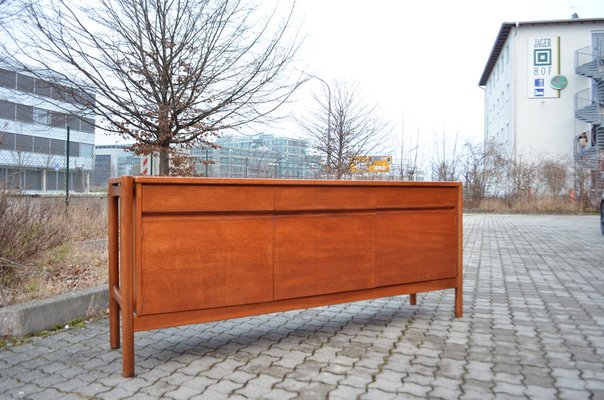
(558, 82)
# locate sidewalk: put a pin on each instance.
(533, 326)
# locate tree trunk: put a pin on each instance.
(164, 161)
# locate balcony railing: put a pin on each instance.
(587, 109)
(589, 63)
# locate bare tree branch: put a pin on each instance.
(165, 73)
(342, 128)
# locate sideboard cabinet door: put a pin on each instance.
(415, 246)
(195, 262)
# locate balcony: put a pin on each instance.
(588, 109)
(589, 63)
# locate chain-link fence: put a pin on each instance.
(39, 158)
(259, 156)
(44, 146)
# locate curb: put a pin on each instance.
(34, 316)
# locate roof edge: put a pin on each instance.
(503, 34)
(502, 37)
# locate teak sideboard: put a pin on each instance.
(191, 250)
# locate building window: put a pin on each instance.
(24, 143)
(57, 119)
(57, 147)
(25, 83)
(59, 92)
(507, 92)
(74, 149)
(7, 110)
(42, 88)
(25, 113)
(55, 180)
(33, 180)
(85, 99)
(41, 116)
(8, 79)
(73, 122)
(41, 145)
(86, 150)
(7, 141)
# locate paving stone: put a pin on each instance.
(345, 392)
(540, 392)
(532, 327)
(414, 389)
(573, 394)
(316, 390)
(252, 391)
(376, 394)
(509, 388)
(445, 392)
(49, 393)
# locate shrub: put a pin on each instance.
(26, 229)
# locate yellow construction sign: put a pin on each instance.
(375, 164)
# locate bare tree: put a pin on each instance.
(555, 175)
(482, 166)
(409, 155)
(446, 161)
(165, 73)
(582, 178)
(522, 175)
(342, 128)
(8, 9)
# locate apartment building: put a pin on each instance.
(544, 92)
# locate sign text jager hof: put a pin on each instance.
(543, 66)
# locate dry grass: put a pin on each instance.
(540, 205)
(63, 269)
(40, 250)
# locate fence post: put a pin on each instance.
(67, 146)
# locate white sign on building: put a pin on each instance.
(543, 65)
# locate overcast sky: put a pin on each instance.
(419, 60)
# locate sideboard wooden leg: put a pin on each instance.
(128, 353)
(413, 299)
(458, 302)
(127, 273)
(114, 324)
(113, 247)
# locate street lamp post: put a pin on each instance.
(328, 121)
(230, 161)
(207, 162)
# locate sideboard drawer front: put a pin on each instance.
(303, 198)
(198, 262)
(206, 198)
(323, 253)
(415, 246)
(416, 197)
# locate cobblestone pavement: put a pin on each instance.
(533, 328)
